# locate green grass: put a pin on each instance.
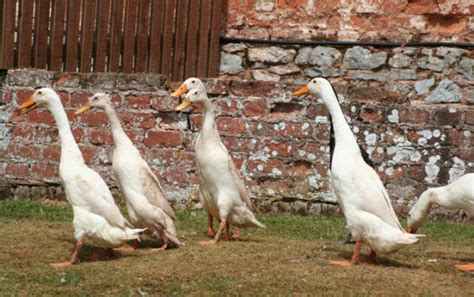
(288, 257)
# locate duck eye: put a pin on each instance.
(195, 93)
(39, 93)
(193, 81)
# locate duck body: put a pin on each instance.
(360, 192)
(144, 197)
(221, 188)
(457, 195)
(96, 216)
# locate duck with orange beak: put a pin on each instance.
(457, 195)
(145, 199)
(221, 186)
(196, 83)
(96, 216)
(361, 195)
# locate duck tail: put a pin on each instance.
(131, 234)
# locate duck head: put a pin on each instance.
(418, 214)
(44, 97)
(193, 96)
(98, 100)
(319, 87)
(189, 84)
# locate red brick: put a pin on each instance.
(410, 115)
(31, 152)
(23, 95)
(78, 134)
(470, 116)
(446, 117)
(41, 116)
(100, 137)
(284, 111)
(226, 106)
(138, 119)
(44, 171)
(254, 108)
(94, 118)
(52, 153)
(282, 149)
(164, 138)
(238, 144)
(291, 4)
(217, 87)
(233, 126)
(251, 88)
(164, 103)
(315, 110)
(371, 114)
(138, 101)
(78, 99)
(266, 166)
(300, 168)
(88, 153)
(18, 170)
(417, 7)
(447, 24)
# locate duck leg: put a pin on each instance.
(355, 256)
(210, 225)
(218, 235)
(227, 231)
(467, 267)
(163, 236)
(74, 257)
(236, 233)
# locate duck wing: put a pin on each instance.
(244, 195)
(97, 199)
(154, 191)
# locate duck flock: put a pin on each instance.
(366, 205)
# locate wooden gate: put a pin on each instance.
(178, 38)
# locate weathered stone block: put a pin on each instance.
(361, 58)
(423, 86)
(446, 92)
(271, 55)
(230, 64)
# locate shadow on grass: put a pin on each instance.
(382, 261)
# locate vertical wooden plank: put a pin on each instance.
(180, 40)
(40, 46)
(167, 56)
(142, 36)
(25, 32)
(72, 35)
(87, 34)
(192, 39)
(8, 34)
(103, 13)
(129, 35)
(204, 25)
(214, 53)
(156, 32)
(56, 48)
(116, 22)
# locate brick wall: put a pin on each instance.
(368, 20)
(279, 143)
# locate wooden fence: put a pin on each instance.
(178, 38)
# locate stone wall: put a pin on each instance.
(279, 143)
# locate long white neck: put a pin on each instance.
(119, 135)
(209, 118)
(342, 131)
(69, 148)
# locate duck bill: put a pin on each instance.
(28, 105)
(303, 90)
(411, 230)
(180, 91)
(85, 108)
(186, 103)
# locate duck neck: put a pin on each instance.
(209, 117)
(69, 148)
(119, 135)
(342, 131)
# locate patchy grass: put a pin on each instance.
(290, 256)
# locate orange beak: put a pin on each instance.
(28, 105)
(180, 91)
(303, 90)
(411, 230)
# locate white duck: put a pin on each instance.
(363, 199)
(96, 216)
(189, 84)
(224, 193)
(145, 199)
(457, 195)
